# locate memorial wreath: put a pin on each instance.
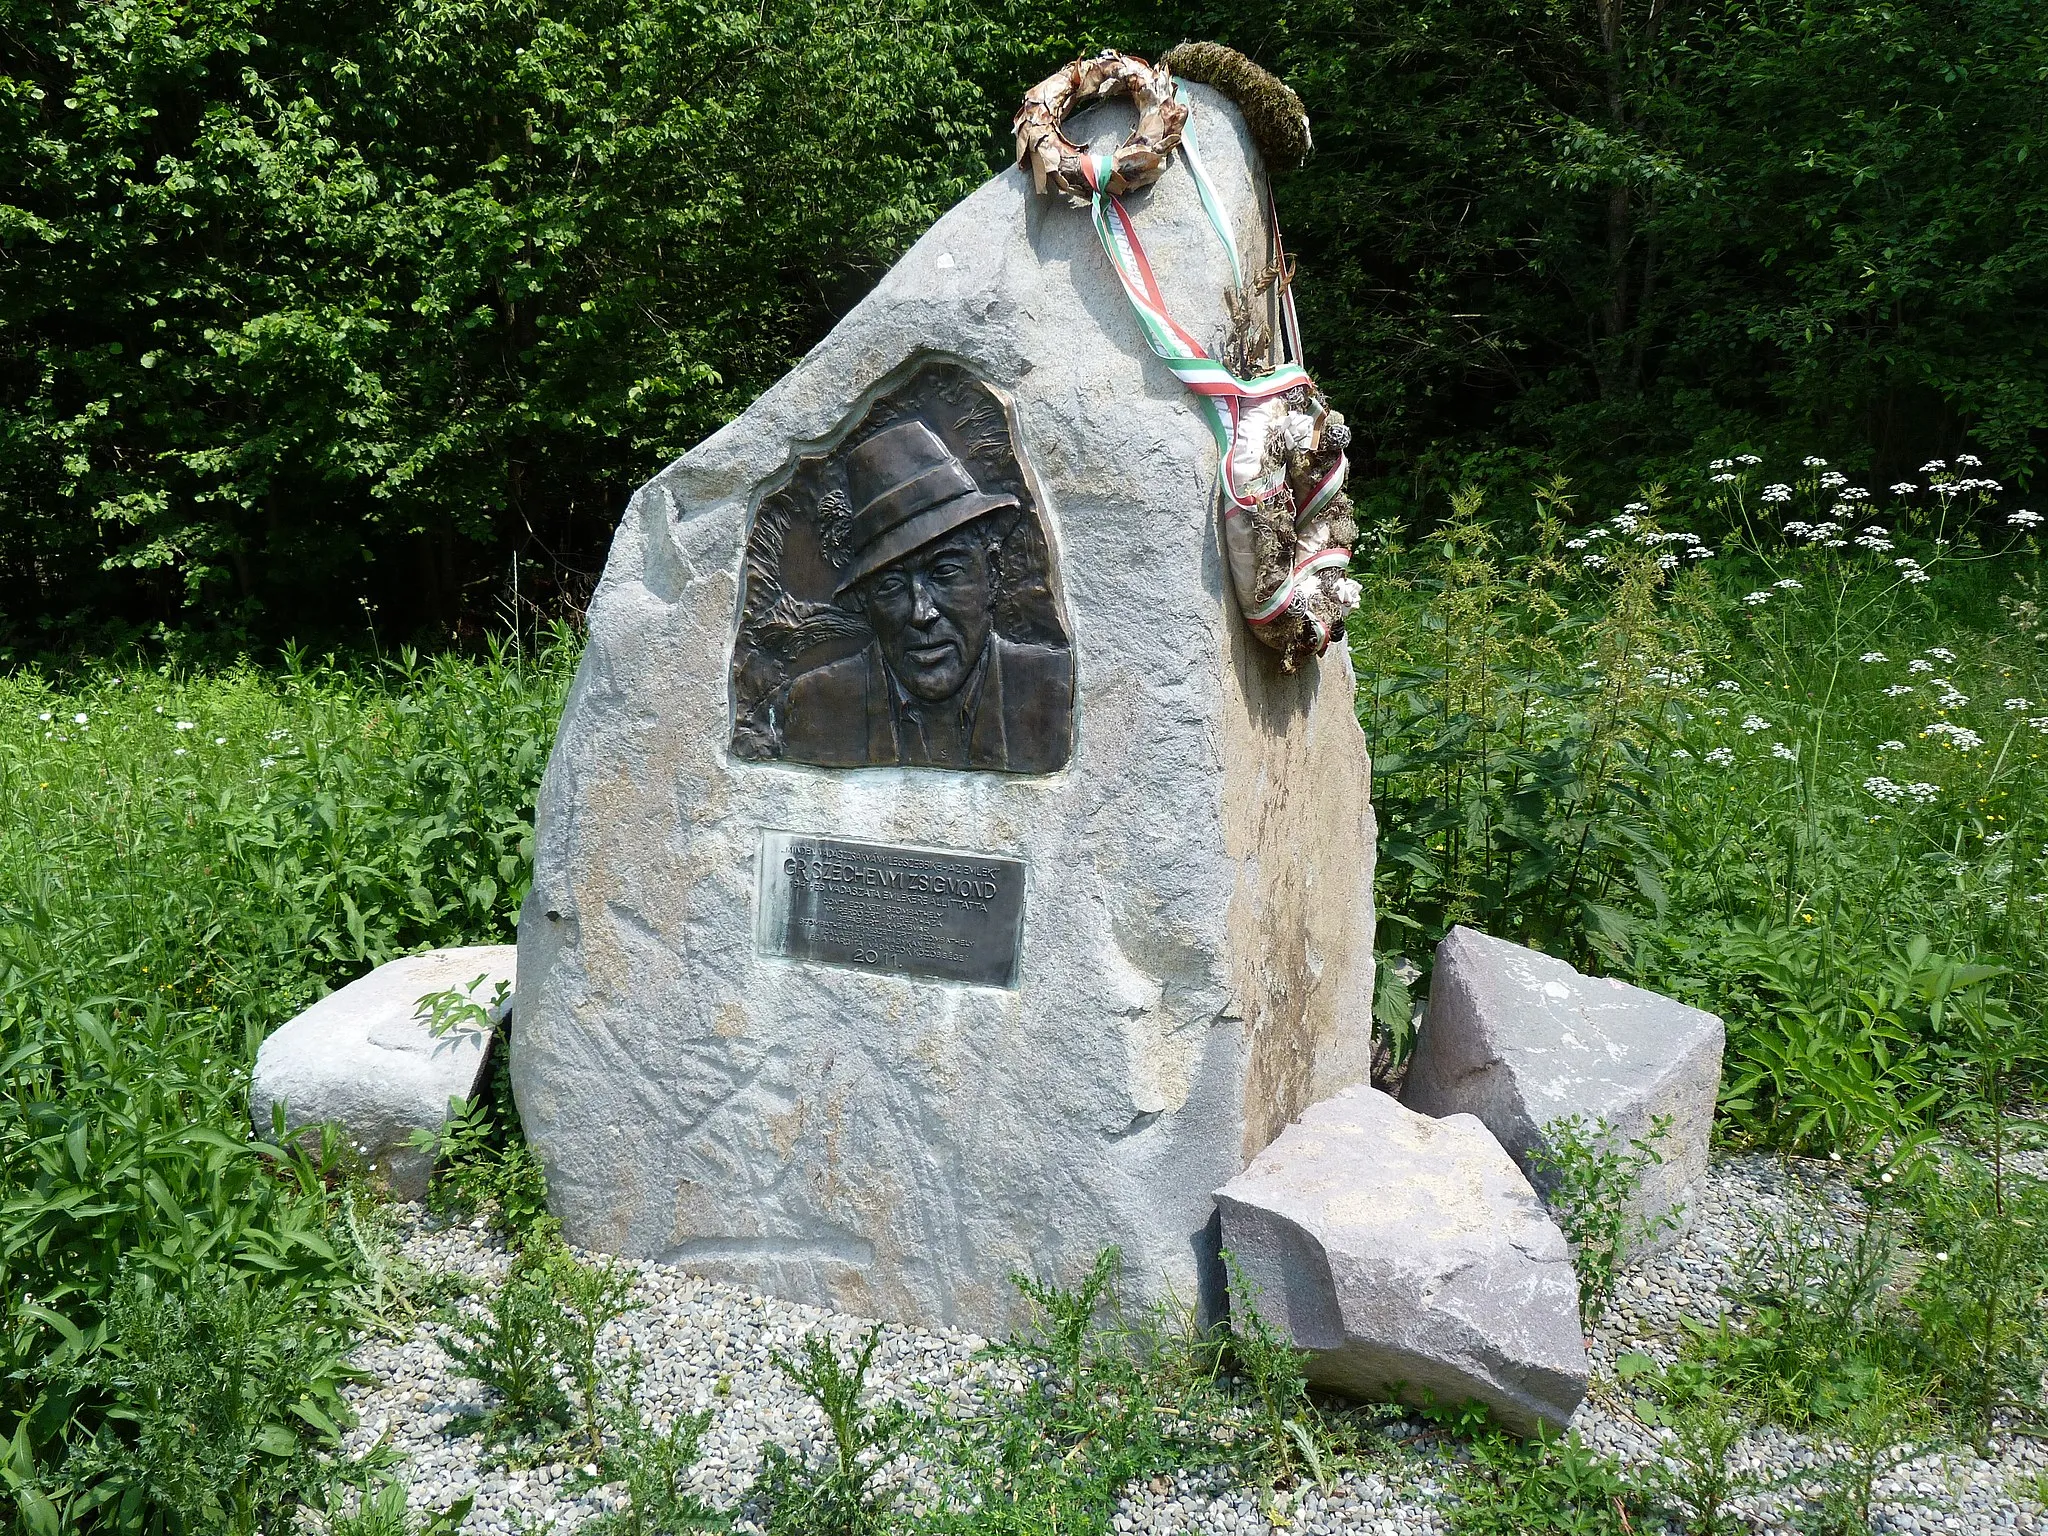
(1287, 524)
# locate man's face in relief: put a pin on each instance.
(930, 612)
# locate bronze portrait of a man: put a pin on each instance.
(915, 547)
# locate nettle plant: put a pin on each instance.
(1513, 713)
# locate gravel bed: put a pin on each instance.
(706, 1345)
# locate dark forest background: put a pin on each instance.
(318, 321)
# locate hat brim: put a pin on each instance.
(916, 532)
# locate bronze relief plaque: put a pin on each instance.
(945, 914)
(898, 605)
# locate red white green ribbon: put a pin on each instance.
(1222, 393)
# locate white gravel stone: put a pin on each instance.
(707, 1345)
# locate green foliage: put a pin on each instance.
(1977, 1328)
(305, 310)
(1616, 233)
(653, 1464)
(167, 896)
(383, 1512)
(308, 307)
(1511, 707)
(587, 1299)
(510, 1350)
(1549, 1486)
(1102, 1399)
(1700, 1474)
(209, 1381)
(1814, 1300)
(1588, 1180)
(1889, 1425)
(1292, 1438)
(540, 1333)
(846, 1494)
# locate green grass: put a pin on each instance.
(1629, 765)
(185, 862)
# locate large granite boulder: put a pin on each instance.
(1521, 1039)
(1409, 1255)
(363, 1059)
(1141, 934)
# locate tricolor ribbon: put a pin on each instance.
(1222, 393)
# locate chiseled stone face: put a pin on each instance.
(1520, 1038)
(1409, 1253)
(1194, 966)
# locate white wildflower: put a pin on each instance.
(1729, 685)
(1898, 690)
(1904, 488)
(1721, 757)
(1919, 664)
(186, 725)
(1788, 585)
(1813, 463)
(1961, 737)
(2019, 704)
(1757, 597)
(1891, 746)
(2025, 519)
(1941, 653)
(1874, 656)
(1776, 493)
(1789, 754)
(1755, 723)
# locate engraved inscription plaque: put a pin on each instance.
(899, 603)
(917, 911)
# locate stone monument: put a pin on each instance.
(934, 879)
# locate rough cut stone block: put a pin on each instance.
(1520, 1039)
(1408, 1253)
(360, 1059)
(1194, 962)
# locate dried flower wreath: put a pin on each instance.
(1287, 525)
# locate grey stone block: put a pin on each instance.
(361, 1059)
(1409, 1254)
(1520, 1039)
(1196, 961)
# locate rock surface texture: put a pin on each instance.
(1196, 961)
(1521, 1039)
(362, 1059)
(1405, 1252)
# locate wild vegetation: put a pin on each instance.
(1786, 766)
(308, 310)
(348, 324)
